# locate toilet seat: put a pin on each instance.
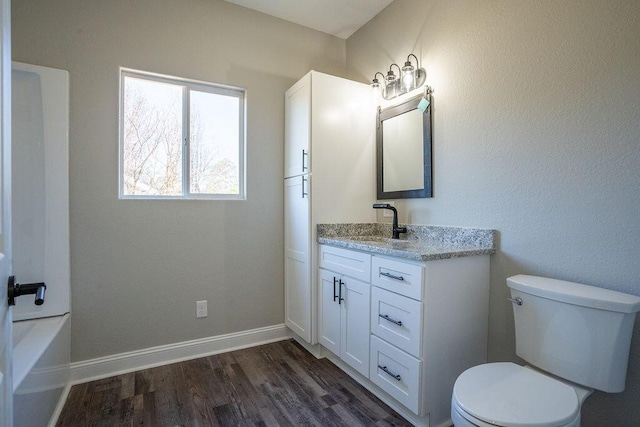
(510, 395)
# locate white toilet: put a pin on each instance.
(576, 337)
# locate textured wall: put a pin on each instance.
(139, 266)
(536, 134)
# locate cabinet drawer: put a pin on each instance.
(397, 276)
(396, 372)
(344, 261)
(396, 319)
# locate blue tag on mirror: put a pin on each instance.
(423, 104)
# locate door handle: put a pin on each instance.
(334, 289)
(15, 290)
(340, 299)
(303, 192)
(304, 154)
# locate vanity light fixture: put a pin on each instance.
(410, 78)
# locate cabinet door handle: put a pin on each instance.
(303, 192)
(391, 276)
(396, 377)
(334, 289)
(389, 319)
(304, 154)
(340, 283)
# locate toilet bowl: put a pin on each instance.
(509, 395)
(576, 337)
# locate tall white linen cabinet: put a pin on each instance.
(329, 171)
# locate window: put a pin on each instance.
(180, 138)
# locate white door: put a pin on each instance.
(6, 384)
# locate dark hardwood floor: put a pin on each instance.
(269, 385)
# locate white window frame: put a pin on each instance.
(187, 84)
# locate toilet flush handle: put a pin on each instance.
(516, 300)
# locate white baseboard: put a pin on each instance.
(117, 364)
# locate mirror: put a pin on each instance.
(403, 151)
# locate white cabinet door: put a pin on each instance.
(355, 324)
(297, 104)
(297, 263)
(344, 307)
(329, 310)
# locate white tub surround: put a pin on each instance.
(40, 240)
(40, 186)
(40, 369)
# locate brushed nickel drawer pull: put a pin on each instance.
(397, 377)
(387, 318)
(391, 276)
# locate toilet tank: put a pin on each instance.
(578, 332)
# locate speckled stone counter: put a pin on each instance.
(420, 243)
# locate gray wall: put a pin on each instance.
(536, 134)
(139, 266)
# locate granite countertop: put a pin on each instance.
(420, 243)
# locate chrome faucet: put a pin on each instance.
(396, 230)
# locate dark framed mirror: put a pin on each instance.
(403, 150)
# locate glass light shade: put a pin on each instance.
(408, 76)
(391, 90)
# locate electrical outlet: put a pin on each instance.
(201, 308)
(386, 213)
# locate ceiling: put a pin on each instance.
(338, 17)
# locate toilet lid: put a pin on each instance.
(507, 394)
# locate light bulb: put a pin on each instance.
(408, 76)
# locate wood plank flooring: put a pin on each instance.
(278, 384)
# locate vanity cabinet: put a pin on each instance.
(329, 177)
(428, 323)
